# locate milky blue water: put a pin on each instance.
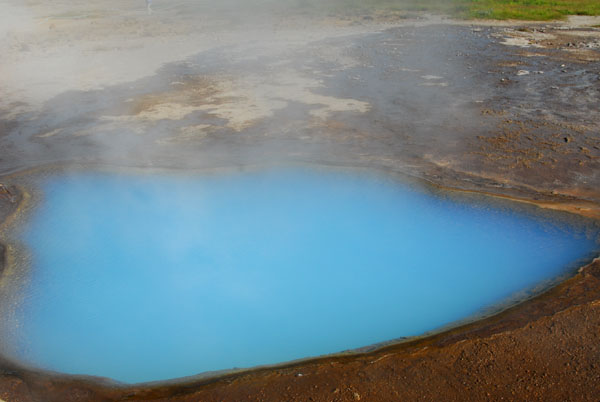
(141, 278)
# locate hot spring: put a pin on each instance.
(151, 277)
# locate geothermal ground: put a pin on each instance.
(509, 109)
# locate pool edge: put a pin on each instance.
(545, 304)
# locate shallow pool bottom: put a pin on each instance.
(142, 278)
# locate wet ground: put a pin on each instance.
(509, 109)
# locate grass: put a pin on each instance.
(532, 9)
(489, 9)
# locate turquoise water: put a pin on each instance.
(143, 278)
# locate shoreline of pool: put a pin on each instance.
(500, 319)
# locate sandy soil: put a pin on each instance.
(504, 108)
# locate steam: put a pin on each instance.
(199, 83)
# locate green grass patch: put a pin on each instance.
(532, 9)
(489, 9)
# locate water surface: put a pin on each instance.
(150, 277)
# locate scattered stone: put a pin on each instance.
(522, 72)
(6, 194)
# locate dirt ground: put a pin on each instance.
(509, 109)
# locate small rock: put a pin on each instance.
(356, 396)
(522, 72)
